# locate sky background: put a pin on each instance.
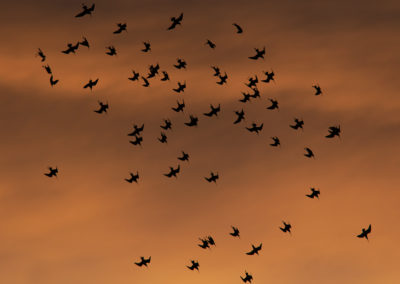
(90, 226)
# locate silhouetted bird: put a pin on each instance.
(181, 64)
(211, 241)
(184, 157)
(166, 76)
(146, 82)
(204, 243)
(276, 143)
(121, 27)
(175, 21)
(309, 153)
(135, 76)
(255, 128)
(84, 42)
(103, 108)
(195, 265)
(247, 278)
(239, 29)
(147, 46)
(246, 97)
(240, 116)
(274, 104)
(154, 70)
(143, 261)
(314, 193)
(318, 90)
(210, 44)
(298, 124)
(181, 87)
(47, 68)
(71, 48)
(217, 72)
(193, 121)
(256, 93)
(213, 177)
(333, 131)
(235, 232)
(52, 172)
(365, 232)
(41, 55)
(222, 79)
(259, 54)
(91, 84)
(111, 50)
(167, 124)
(180, 106)
(163, 138)
(173, 172)
(270, 77)
(133, 178)
(52, 81)
(213, 111)
(138, 141)
(252, 82)
(254, 250)
(286, 227)
(136, 130)
(86, 11)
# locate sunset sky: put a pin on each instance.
(89, 225)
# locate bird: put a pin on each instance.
(222, 79)
(240, 116)
(211, 241)
(309, 153)
(84, 42)
(213, 177)
(47, 68)
(137, 130)
(91, 84)
(213, 111)
(153, 69)
(133, 178)
(274, 104)
(235, 232)
(247, 278)
(255, 128)
(204, 243)
(286, 227)
(121, 27)
(252, 82)
(318, 90)
(52, 172)
(259, 54)
(217, 72)
(166, 76)
(103, 108)
(246, 97)
(167, 124)
(173, 172)
(146, 82)
(181, 64)
(239, 29)
(276, 143)
(41, 55)
(71, 48)
(143, 261)
(298, 124)
(333, 131)
(175, 21)
(135, 76)
(180, 106)
(195, 265)
(53, 81)
(193, 121)
(184, 157)
(86, 11)
(111, 50)
(365, 232)
(314, 193)
(270, 77)
(147, 46)
(254, 250)
(163, 138)
(181, 87)
(256, 93)
(210, 44)
(138, 141)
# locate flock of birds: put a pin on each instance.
(154, 70)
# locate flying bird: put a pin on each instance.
(193, 121)
(133, 178)
(84, 42)
(252, 82)
(211, 241)
(240, 116)
(137, 130)
(204, 243)
(180, 106)
(276, 143)
(143, 261)
(47, 68)
(163, 138)
(173, 172)
(138, 141)
(135, 76)
(181, 64)
(274, 104)
(246, 97)
(53, 81)
(270, 77)
(146, 82)
(166, 76)
(91, 84)
(181, 87)
(52, 172)
(254, 250)
(259, 54)
(298, 124)
(121, 27)
(86, 11)
(239, 29)
(314, 193)
(247, 278)
(175, 21)
(195, 265)
(255, 128)
(309, 153)
(167, 124)
(210, 44)
(256, 93)
(41, 55)
(333, 131)
(217, 72)
(318, 90)
(147, 46)
(184, 157)
(235, 232)
(213, 177)
(365, 232)
(213, 111)
(286, 227)
(71, 48)
(222, 79)
(111, 50)
(103, 108)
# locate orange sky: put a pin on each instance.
(90, 226)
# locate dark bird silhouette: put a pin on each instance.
(246, 97)
(137, 130)
(255, 128)
(91, 84)
(86, 11)
(167, 124)
(181, 64)
(213, 111)
(138, 141)
(309, 153)
(211, 241)
(173, 172)
(298, 124)
(252, 82)
(217, 72)
(41, 55)
(195, 265)
(84, 42)
(254, 250)
(111, 50)
(333, 131)
(274, 104)
(286, 227)
(143, 261)
(181, 87)
(204, 243)
(213, 177)
(235, 232)
(276, 143)
(133, 178)
(52, 81)
(256, 93)
(180, 106)
(47, 68)
(240, 116)
(270, 77)
(52, 172)
(166, 76)
(71, 48)
(318, 90)
(146, 82)
(239, 29)
(314, 193)
(193, 121)
(121, 27)
(222, 79)
(163, 138)
(175, 21)
(153, 69)
(259, 54)
(135, 76)
(365, 232)
(184, 157)
(247, 278)
(210, 44)
(103, 108)
(147, 46)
